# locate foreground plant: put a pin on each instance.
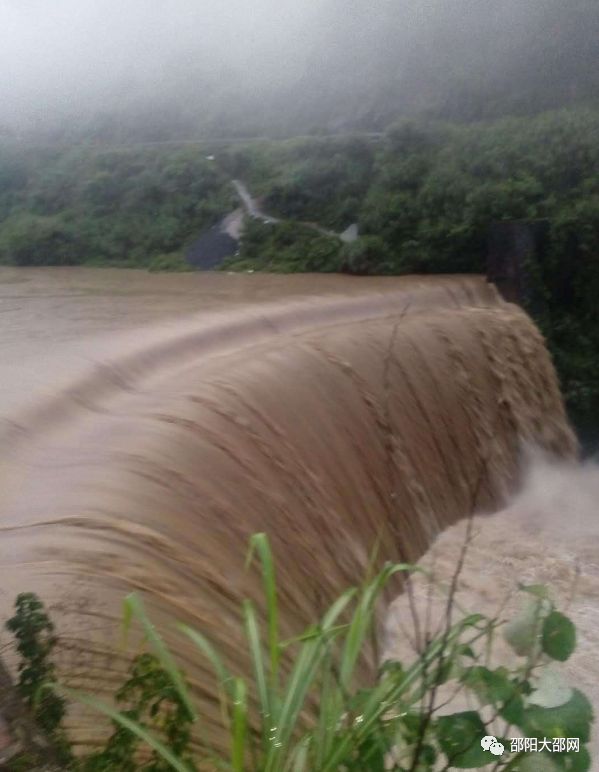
(35, 642)
(312, 714)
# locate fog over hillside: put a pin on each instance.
(154, 69)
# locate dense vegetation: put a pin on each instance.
(307, 705)
(303, 248)
(107, 207)
(425, 198)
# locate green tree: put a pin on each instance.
(29, 239)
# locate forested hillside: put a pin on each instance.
(493, 110)
(425, 199)
(99, 206)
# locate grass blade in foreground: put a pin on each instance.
(147, 737)
(134, 606)
(318, 719)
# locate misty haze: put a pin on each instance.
(158, 70)
(299, 385)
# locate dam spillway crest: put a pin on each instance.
(330, 423)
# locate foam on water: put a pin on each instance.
(548, 534)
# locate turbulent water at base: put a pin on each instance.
(152, 424)
(548, 534)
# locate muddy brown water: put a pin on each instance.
(151, 423)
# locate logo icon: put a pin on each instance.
(490, 743)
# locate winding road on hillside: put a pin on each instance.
(252, 209)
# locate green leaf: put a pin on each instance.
(555, 762)
(513, 710)
(492, 687)
(538, 590)
(472, 620)
(240, 721)
(522, 632)
(300, 756)
(459, 736)
(576, 761)
(361, 621)
(259, 543)
(573, 719)
(260, 672)
(464, 650)
(412, 725)
(371, 754)
(137, 729)
(552, 689)
(310, 659)
(428, 755)
(537, 762)
(135, 607)
(127, 619)
(204, 645)
(559, 636)
(391, 667)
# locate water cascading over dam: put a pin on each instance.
(331, 423)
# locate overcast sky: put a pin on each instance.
(77, 49)
(58, 55)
